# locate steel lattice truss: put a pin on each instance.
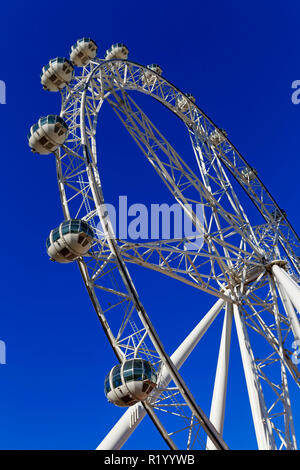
(234, 263)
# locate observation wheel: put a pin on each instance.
(251, 270)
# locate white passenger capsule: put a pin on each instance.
(47, 135)
(216, 137)
(57, 74)
(149, 77)
(71, 240)
(249, 174)
(130, 382)
(117, 51)
(183, 101)
(83, 51)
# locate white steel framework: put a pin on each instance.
(251, 268)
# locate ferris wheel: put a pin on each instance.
(250, 269)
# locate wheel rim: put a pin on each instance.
(81, 106)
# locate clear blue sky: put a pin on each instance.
(239, 60)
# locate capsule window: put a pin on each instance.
(86, 228)
(128, 375)
(138, 375)
(116, 376)
(64, 252)
(138, 364)
(83, 225)
(147, 371)
(62, 122)
(75, 226)
(55, 235)
(128, 365)
(128, 400)
(107, 388)
(65, 229)
(51, 119)
(138, 370)
(58, 130)
(146, 387)
(43, 140)
(83, 241)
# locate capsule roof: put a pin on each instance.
(113, 46)
(59, 60)
(50, 119)
(117, 44)
(69, 226)
(81, 40)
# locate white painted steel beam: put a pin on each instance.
(262, 425)
(289, 293)
(217, 412)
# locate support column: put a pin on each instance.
(123, 429)
(265, 439)
(217, 411)
(290, 294)
(289, 437)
